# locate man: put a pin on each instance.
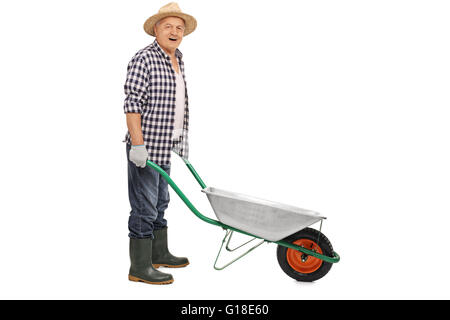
(157, 114)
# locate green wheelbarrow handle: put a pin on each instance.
(183, 197)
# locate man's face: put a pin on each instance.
(167, 29)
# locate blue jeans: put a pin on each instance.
(149, 197)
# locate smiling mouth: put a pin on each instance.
(172, 39)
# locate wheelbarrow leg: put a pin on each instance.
(229, 239)
(228, 235)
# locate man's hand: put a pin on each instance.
(138, 155)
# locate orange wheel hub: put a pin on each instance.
(301, 262)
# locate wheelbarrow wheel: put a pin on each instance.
(300, 266)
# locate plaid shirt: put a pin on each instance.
(150, 90)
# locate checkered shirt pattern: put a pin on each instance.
(150, 90)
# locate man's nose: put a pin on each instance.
(174, 31)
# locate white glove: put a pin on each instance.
(138, 155)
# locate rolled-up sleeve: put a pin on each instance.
(136, 85)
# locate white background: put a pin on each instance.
(335, 106)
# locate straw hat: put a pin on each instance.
(170, 10)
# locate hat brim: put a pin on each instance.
(189, 22)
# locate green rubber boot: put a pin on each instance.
(141, 269)
(161, 255)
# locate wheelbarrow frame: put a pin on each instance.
(229, 230)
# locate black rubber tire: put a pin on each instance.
(325, 246)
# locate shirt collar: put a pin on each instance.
(164, 54)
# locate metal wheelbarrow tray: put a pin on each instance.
(303, 253)
(266, 219)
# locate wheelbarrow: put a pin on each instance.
(303, 253)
